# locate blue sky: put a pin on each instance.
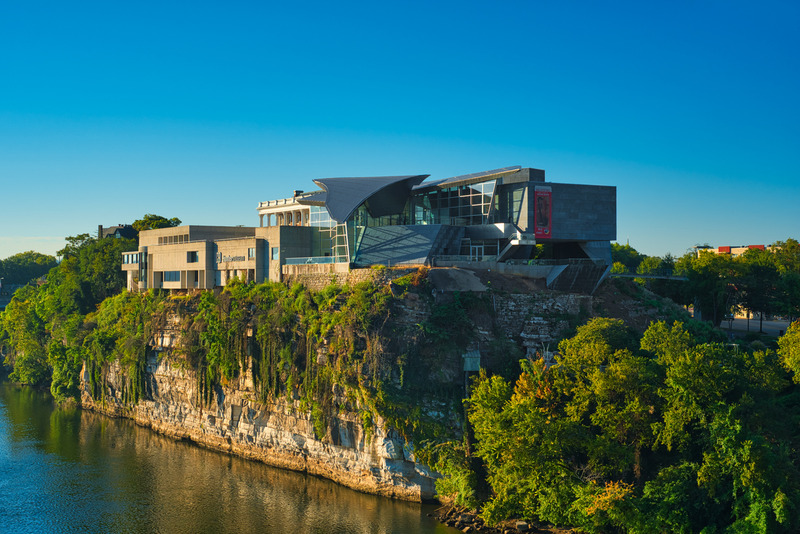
(199, 110)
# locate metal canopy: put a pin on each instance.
(383, 193)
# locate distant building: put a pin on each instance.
(501, 219)
(734, 250)
(120, 231)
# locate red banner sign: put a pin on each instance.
(543, 213)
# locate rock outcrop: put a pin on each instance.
(280, 433)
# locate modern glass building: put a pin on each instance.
(507, 215)
(507, 219)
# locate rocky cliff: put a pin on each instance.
(280, 433)
(346, 398)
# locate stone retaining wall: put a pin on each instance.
(317, 281)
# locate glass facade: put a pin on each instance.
(328, 237)
(462, 205)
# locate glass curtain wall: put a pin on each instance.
(462, 205)
(328, 237)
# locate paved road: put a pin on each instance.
(772, 328)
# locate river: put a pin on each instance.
(70, 470)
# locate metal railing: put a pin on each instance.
(566, 261)
(309, 260)
(464, 258)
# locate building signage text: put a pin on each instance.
(222, 259)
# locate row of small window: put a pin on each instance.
(192, 256)
(172, 239)
(130, 258)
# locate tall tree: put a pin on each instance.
(759, 284)
(787, 254)
(23, 267)
(712, 283)
(626, 255)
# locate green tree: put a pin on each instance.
(789, 350)
(74, 244)
(759, 285)
(618, 268)
(712, 283)
(626, 255)
(23, 267)
(787, 254)
(153, 222)
(788, 302)
(649, 265)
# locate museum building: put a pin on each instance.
(508, 219)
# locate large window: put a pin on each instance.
(508, 205)
(462, 205)
(172, 276)
(328, 238)
(130, 258)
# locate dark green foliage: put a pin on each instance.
(26, 266)
(761, 281)
(626, 255)
(45, 331)
(153, 222)
(677, 436)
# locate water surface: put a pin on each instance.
(69, 470)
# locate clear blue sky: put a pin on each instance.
(199, 110)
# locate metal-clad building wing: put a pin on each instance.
(384, 193)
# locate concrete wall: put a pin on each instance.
(232, 259)
(291, 242)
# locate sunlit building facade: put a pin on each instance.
(503, 217)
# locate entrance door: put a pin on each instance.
(475, 252)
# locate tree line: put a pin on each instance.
(21, 268)
(663, 432)
(41, 319)
(762, 281)
(668, 431)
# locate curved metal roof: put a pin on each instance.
(383, 193)
(466, 179)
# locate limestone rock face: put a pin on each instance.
(282, 433)
(278, 433)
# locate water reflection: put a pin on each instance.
(66, 470)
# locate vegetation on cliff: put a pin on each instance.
(663, 431)
(331, 350)
(43, 328)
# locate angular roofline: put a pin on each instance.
(467, 179)
(344, 195)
